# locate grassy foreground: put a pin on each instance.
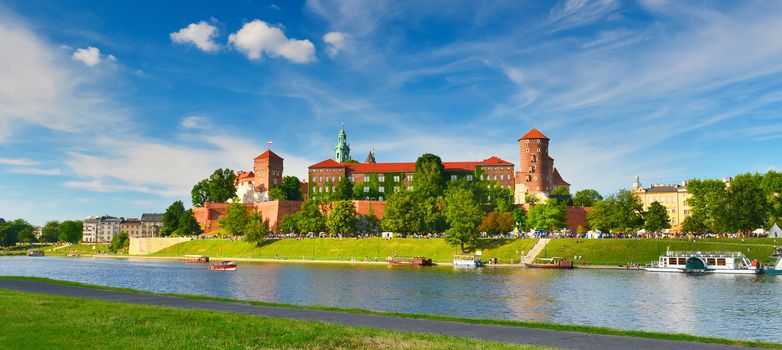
(51, 322)
(539, 325)
(346, 248)
(644, 251)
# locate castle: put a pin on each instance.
(254, 186)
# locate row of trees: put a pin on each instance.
(238, 221)
(179, 222)
(623, 212)
(20, 231)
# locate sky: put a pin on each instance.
(120, 107)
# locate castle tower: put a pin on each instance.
(535, 162)
(342, 149)
(371, 156)
(268, 172)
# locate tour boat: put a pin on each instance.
(409, 261)
(776, 268)
(705, 262)
(223, 266)
(196, 259)
(550, 263)
(35, 253)
(467, 261)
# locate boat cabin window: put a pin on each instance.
(682, 261)
(721, 261)
(711, 261)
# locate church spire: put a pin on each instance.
(342, 149)
(371, 156)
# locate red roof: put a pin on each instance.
(245, 174)
(406, 167)
(558, 180)
(268, 154)
(534, 134)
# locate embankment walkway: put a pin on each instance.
(508, 334)
(535, 251)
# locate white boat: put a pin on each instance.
(467, 261)
(704, 262)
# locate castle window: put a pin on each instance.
(481, 177)
(380, 198)
(527, 150)
(538, 149)
(453, 177)
(366, 178)
(381, 189)
(469, 177)
(381, 178)
(535, 178)
(409, 188)
(351, 178)
(320, 189)
(526, 141)
(327, 189)
(339, 178)
(333, 179)
(320, 178)
(495, 177)
(528, 178)
(534, 158)
(409, 177)
(366, 189)
(396, 178)
(538, 140)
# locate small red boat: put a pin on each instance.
(223, 266)
(409, 261)
(551, 263)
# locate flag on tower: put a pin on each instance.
(269, 144)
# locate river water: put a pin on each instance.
(739, 307)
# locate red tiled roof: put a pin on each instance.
(558, 180)
(406, 167)
(245, 174)
(534, 134)
(268, 154)
(328, 163)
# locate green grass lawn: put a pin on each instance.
(81, 249)
(540, 325)
(345, 248)
(644, 251)
(35, 321)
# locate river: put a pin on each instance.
(728, 306)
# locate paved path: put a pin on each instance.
(535, 251)
(543, 337)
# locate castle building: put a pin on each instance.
(672, 197)
(537, 174)
(254, 186)
(375, 181)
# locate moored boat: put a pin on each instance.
(223, 266)
(196, 259)
(776, 267)
(704, 262)
(550, 263)
(409, 261)
(467, 261)
(35, 253)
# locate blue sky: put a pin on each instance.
(120, 107)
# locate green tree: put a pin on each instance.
(188, 225)
(10, 231)
(310, 218)
(709, 200)
(70, 231)
(401, 214)
(746, 203)
(343, 190)
(549, 215)
(496, 223)
(119, 242)
(694, 224)
(171, 218)
(586, 198)
(429, 176)
(772, 187)
(463, 216)
(342, 218)
(49, 232)
(367, 224)
(530, 198)
(430, 214)
(256, 229)
(288, 224)
(656, 218)
(289, 189)
(498, 199)
(620, 212)
(560, 191)
(235, 219)
(200, 193)
(521, 217)
(27, 235)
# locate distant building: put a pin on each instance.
(537, 174)
(254, 186)
(151, 224)
(100, 229)
(131, 226)
(672, 197)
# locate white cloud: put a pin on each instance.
(336, 42)
(257, 38)
(17, 161)
(89, 56)
(194, 122)
(201, 35)
(37, 171)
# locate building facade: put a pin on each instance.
(254, 186)
(376, 181)
(537, 174)
(672, 197)
(131, 226)
(100, 229)
(151, 224)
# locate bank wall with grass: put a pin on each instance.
(373, 249)
(644, 251)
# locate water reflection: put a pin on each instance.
(744, 307)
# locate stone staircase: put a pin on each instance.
(536, 249)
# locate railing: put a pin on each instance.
(704, 254)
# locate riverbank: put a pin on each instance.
(568, 336)
(129, 326)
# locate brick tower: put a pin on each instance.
(536, 166)
(268, 172)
